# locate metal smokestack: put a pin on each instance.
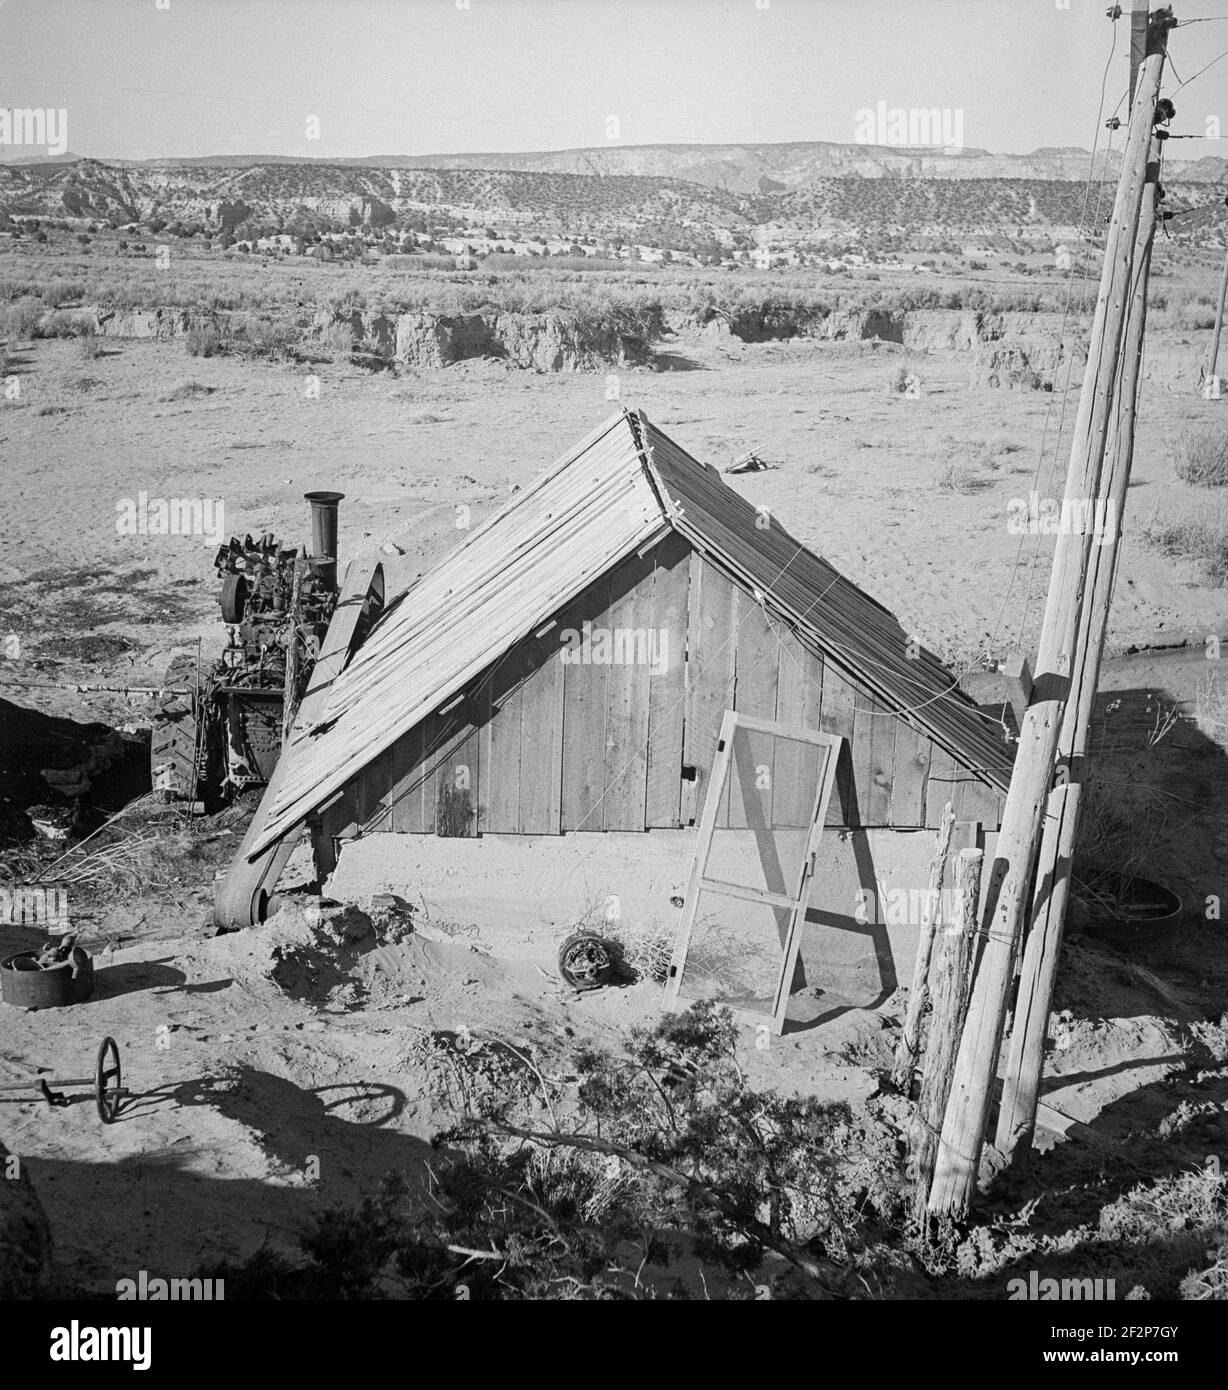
(324, 534)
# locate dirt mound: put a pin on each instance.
(1027, 352)
(144, 323)
(550, 342)
(434, 340)
(417, 966)
(336, 957)
(1012, 349)
(940, 330)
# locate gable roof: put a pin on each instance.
(619, 489)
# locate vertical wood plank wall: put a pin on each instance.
(671, 588)
(543, 746)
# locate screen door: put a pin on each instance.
(738, 940)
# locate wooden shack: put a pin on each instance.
(566, 668)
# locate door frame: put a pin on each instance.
(700, 881)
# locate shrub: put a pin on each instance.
(960, 464)
(1210, 1283)
(1200, 456)
(1022, 376)
(672, 1160)
(955, 476)
(898, 380)
(64, 323)
(88, 348)
(64, 292)
(1182, 309)
(1194, 316)
(349, 301)
(187, 391)
(258, 337)
(338, 338)
(203, 340)
(1202, 540)
(1002, 443)
(21, 319)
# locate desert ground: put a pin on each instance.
(249, 1054)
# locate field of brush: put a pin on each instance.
(276, 297)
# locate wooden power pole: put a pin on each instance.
(1025, 1059)
(1219, 324)
(1059, 657)
(1138, 42)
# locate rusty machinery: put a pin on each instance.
(218, 730)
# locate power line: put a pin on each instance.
(1200, 71)
(1091, 173)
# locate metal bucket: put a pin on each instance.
(22, 982)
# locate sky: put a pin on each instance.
(144, 79)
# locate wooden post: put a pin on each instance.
(906, 1050)
(1025, 1060)
(1138, 41)
(1219, 320)
(948, 988)
(1018, 676)
(1019, 838)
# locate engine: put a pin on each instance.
(276, 603)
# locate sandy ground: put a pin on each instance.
(278, 1072)
(249, 1054)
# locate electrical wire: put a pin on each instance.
(1200, 71)
(1070, 363)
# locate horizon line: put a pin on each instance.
(932, 151)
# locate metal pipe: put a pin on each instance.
(324, 534)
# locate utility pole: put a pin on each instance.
(1138, 42)
(1059, 657)
(1219, 323)
(1025, 1059)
